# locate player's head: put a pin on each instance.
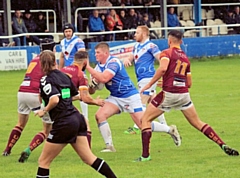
(175, 37)
(102, 52)
(142, 33)
(48, 61)
(81, 59)
(68, 30)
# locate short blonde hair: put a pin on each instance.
(144, 29)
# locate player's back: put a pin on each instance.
(32, 77)
(77, 76)
(175, 78)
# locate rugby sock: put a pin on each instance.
(84, 108)
(13, 138)
(158, 127)
(37, 140)
(162, 119)
(211, 134)
(135, 126)
(102, 167)
(42, 173)
(89, 138)
(146, 136)
(106, 132)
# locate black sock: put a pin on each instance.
(102, 167)
(42, 173)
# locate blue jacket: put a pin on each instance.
(95, 24)
(172, 20)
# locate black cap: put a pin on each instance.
(68, 26)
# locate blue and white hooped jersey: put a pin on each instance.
(120, 85)
(144, 57)
(70, 47)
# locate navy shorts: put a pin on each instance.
(66, 130)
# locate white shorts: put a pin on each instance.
(166, 101)
(131, 104)
(28, 102)
(142, 83)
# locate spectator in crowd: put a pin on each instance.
(31, 27)
(237, 14)
(172, 18)
(3, 42)
(113, 22)
(229, 19)
(95, 24)
(103, 3)
(146, 21)
(127, 2)
(19, 27)
(123, 18)
(42, 26)
(132, 22)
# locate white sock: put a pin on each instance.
(162, 119)
(158, 127)
(106, 132)
(135, 126)
(84, 108)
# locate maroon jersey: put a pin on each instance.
(175, 78)
(32, 77)
(77, 76)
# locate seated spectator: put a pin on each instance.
(95, 24)
(172, 18)
(103, 3)
(31, 27)
(19, 27)
(127, 3)
(123, 18)
(42, 26)
(132, 22)
(146, 21)
(229, 19)
(113, 22)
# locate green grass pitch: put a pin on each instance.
(216, 95)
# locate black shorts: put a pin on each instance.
(66, 130)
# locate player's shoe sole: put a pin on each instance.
(229, 151)
(132, 130)
(175, 135)
(109, 148)
(142, 159)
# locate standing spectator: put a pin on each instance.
(95, 24)
(174, 69)
(172, 18)
(42, 26)
(103, 3)
(123, 18)
(146, 21)
(229, 19)
(132, 22)
(31, 27)
(69, 126)
(19, 28)
(3, 42)
(113, 22)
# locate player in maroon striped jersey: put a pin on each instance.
(175, 71)
(28, 100)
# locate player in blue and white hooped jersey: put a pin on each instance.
(124, 97)
(143, 55)
(69, 46)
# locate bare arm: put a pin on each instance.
(128, 61)
(61, 61)
(189, 80)
(102, 77)
(53, 101)
(86, 97)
